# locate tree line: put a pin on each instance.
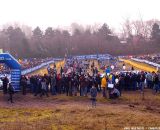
(140, 38)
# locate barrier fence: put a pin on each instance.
(147, 62)
(30, 70)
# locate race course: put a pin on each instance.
(61, 112)
(140, 66)
(43, 70)
(71, 113)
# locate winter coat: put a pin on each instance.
(44, 86)
(10, 89)
(93, 92)
(103, 82)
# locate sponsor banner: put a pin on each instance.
(15, 78)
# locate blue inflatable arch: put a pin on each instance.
(15, 67)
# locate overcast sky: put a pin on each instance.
(61, 13)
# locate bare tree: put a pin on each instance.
(127, 28)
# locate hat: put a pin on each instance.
(116, 80)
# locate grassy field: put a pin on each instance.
(75, 113)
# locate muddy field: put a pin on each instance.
(71, 113)
(60, 112)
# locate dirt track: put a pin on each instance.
(71, 113)
(129, 110)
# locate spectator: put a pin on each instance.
(156, 83)
(44, 87)
(5, 84)
(103, 86)
(23, 84)
(10, 92)
(114, 93)
(93, 92)
(53, 84)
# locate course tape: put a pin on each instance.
(147, 62)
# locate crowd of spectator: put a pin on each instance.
(79, 77)
(152, 58)
(4, 69)
(25, 64)
(82, 77)
(32, 62)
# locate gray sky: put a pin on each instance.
(61, 13)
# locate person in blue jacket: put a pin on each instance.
(93, 92)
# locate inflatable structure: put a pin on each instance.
(15, 67)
